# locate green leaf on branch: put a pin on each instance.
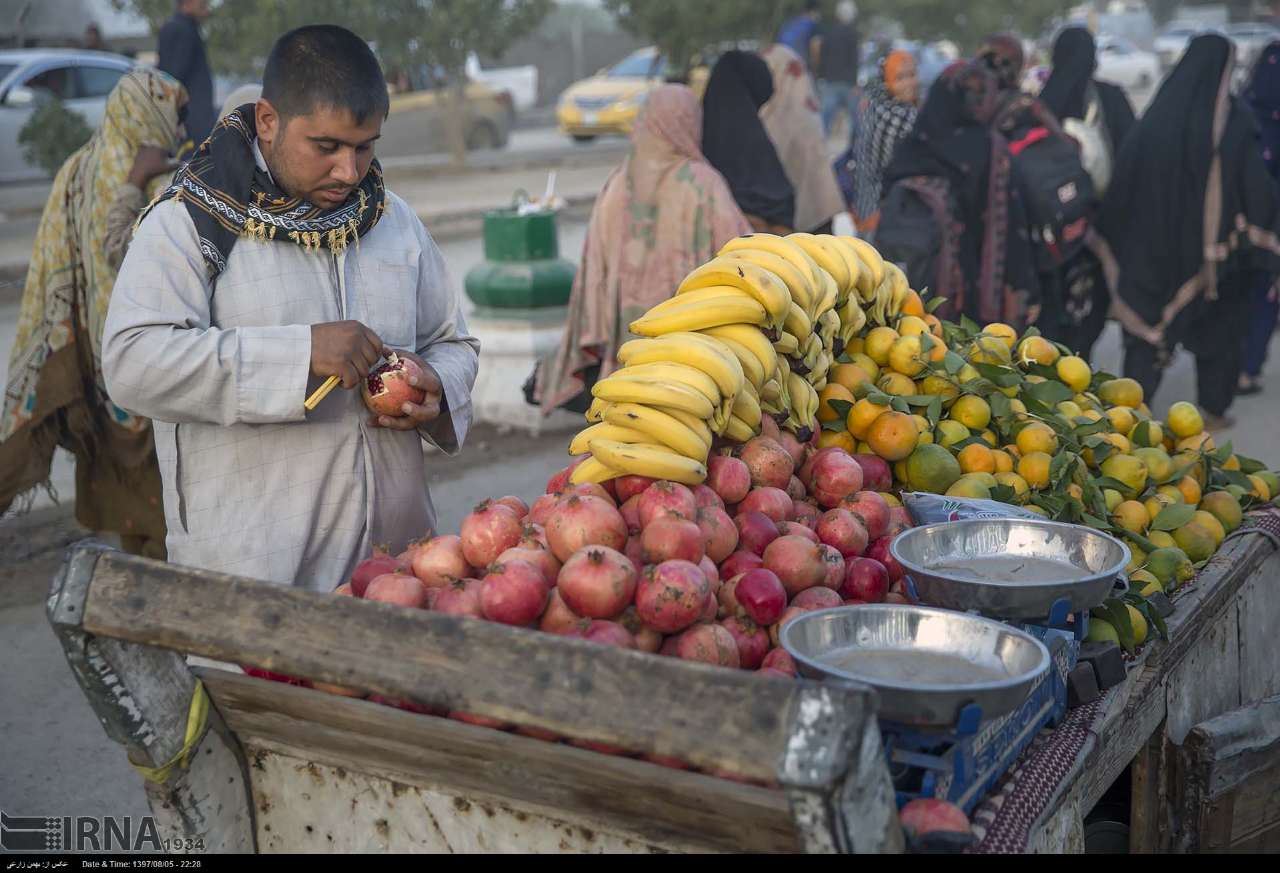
(879, 398)
(934, 303)
(934, 413)
(952, 363)
(1173, 517)
(969, 326)
(1001, 377)
(1003, 493)
(1250, 465)
(900, 404)
(841, 407)
(1142, 433)
(922, 400)
(837, 426)
(1001, 407)
(1049, 393)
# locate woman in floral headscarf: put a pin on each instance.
(662, 213)
(55, 395)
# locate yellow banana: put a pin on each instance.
(768, 290)
(592, 470)
(698, 425)
(901, 287)
(704, 353)
(751, 367)
(711, 292)
(872, 263)
(852, 264)
(739, 431)
(596, 411)
(654, 461)
(825, 258)
(746, 406)
(702, 314)
(798, 323)
(682, 374)
(753, 340)
(603, 430)
(820, 384)
(786, 344)
(830, 294)
(771, 392)
(852, 318)
(800, 288)
(778, 245)
(621, 389)
(656, 426)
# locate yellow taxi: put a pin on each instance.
(610, 101)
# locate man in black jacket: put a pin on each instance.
(182, 56)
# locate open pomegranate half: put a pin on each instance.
(387, 388)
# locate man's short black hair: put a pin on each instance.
(323, 65)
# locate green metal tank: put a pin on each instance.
(522, 267)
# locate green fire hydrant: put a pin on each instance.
(522, 267)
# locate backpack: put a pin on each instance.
(916, 216)
(1095, 142)
(1058, 195)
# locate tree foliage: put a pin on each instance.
(404, 32)
(52, 134)
(967, 23)
(680, 29)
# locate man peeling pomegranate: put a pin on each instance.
(276, 262)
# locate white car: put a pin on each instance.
(1250, 40)
(81, 79)
(1124, 64)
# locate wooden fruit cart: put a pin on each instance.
(275, 768)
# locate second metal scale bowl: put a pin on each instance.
(1010, 568)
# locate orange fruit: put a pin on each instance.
(913, 305)
(935, 324)
(832, 391)
(1034, 467)
(975, 458)
(1190, 489)
(840, 439)
(893, 435)
(1037, 437)
(859, 420)
(848, 375)
(1004, 331)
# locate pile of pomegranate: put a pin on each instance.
(709, 573)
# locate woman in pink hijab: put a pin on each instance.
(662, 213)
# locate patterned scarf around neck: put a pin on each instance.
(228, 196)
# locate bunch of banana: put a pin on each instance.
(659, 414)
(804, 404)
(889, 297)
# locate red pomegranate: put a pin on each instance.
(630, 511)
(773, 502)
(769, 463)
(439, 561)
(401, 589)
(546, 562)
(668, 538)
(560, 480)
(585, 521)
(533, 536)
(844, 531)
(729, 478)
(877, 475)
(609, 633)
(835, 476)
(542, 508)
(796, 529)
(879, 549)
(928, 815)
(755, 531)
(751, 640)
(817, 598)
(792, 612)
(797, 562)
(558, 618)
(835, 567)
(709, 643)
(672, 596)
(807, 513)
(704, 496)
(597, 582)
(386, 389)
(488, 531)
(666, 498)
(872, 509)
(647, 639)
(370, 568)
(779, 659)
(738, 563)
(460, 597)
(865, 579)
(344, 590)
(796, 489)
(628, 487)
(719, 533)
(761, 596)
(513, 593)
(796, 449)
(518, 506)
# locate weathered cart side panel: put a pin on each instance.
(142, 696)
(1220, 652)
(1230, 790)
(819, 742)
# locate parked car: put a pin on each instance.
(520, 82)
(610, 101)
(418, 122)
(80, 79)
(1126, 65)
(1172, 41)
